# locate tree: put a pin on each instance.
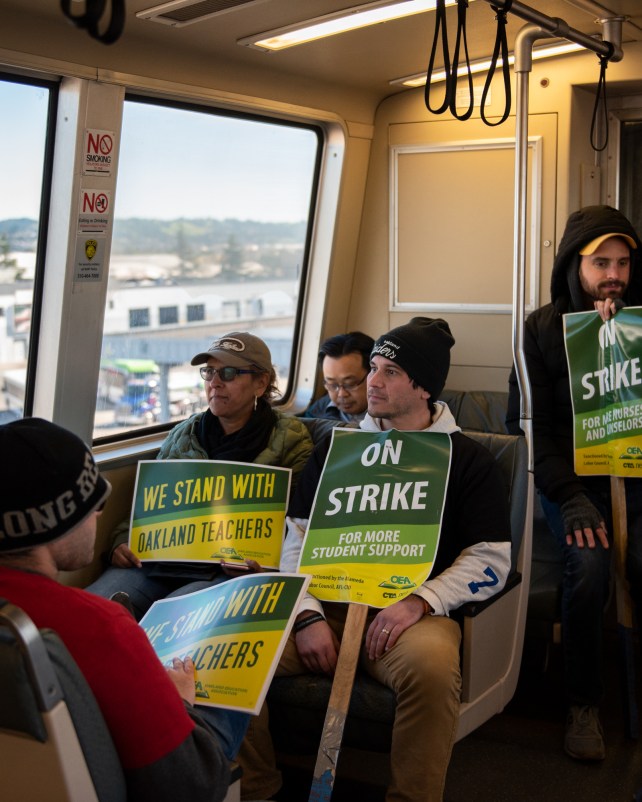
(232, 260)
(5, 249)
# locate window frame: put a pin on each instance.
(53, 87)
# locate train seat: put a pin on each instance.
(53, 738)
(298, 704)
(54, 742)
(485, 411)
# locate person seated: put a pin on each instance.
(411, 646)
(344, 361)
(52, 495)
(239, 425)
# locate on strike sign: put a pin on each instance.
(98, 153)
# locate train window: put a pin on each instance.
(212, 221)
(25, 149)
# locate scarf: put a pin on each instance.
(241, 446)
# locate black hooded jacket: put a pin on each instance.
(546, 357)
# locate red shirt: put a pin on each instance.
(144, 712)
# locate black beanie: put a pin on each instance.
(49, 483)
(422, 349)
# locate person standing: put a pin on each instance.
(597, 267)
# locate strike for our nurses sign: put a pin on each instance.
(209, 511)
(234, 632)
(374, 528)
(606, 390)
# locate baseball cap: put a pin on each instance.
(239, 349)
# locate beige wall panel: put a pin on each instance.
(473, 254)
(442, 255)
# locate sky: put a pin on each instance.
(173, 163)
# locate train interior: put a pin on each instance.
(407, 210)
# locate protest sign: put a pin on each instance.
(606, 391)
(209, 511)
(374, 527)
(234, 632)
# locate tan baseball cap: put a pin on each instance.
(238, 349)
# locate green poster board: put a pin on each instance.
(606, 391)
(374, 527)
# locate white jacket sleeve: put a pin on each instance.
(290, 559)
(478, 573)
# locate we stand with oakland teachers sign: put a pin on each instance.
(606, 389)
(209, 511)
(374, 528)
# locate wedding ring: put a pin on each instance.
(387, 631)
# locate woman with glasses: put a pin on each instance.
(239, 425)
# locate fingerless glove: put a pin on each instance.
(580, 513)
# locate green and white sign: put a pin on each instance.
(606, 390)
(374, 528)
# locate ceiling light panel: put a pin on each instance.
(340, 22)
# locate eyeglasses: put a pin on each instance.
(347, 387)
(226, 374)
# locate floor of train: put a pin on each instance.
(518, 756)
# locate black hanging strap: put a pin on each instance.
(500, 44)
(600, 95)
(462, 7)
(90, 20)
(115, 26)
(93, 12)
(440, 24)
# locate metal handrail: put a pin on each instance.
(539, 26)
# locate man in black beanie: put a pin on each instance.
(597, 267)
(412, 646)
(52, 494)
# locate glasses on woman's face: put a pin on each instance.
(226, 374)
(347, 387)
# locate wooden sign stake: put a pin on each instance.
(328, 755)
(623, 600)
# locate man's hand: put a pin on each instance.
(182, 674)
(318, 647)
(608, 308)
(124, 557)
(391, 622)
(582, 520)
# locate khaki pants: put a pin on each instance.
(424, 671)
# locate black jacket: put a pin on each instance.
(546, 356)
